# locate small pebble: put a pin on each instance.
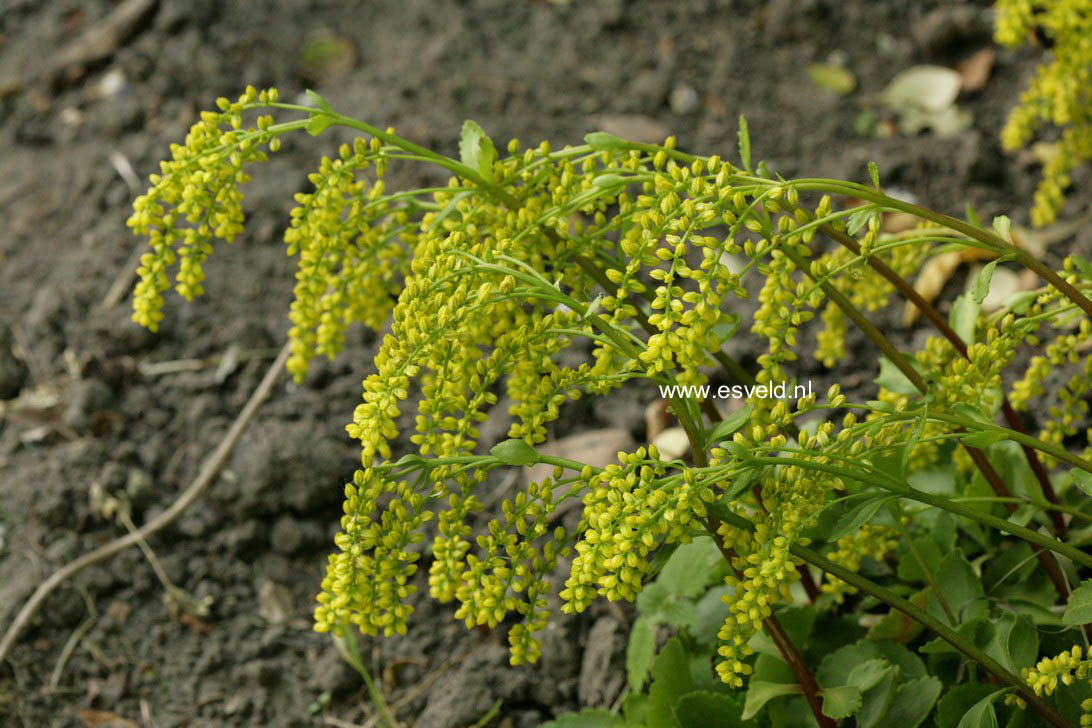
(683, 99)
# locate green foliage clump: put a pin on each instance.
(544, 276)
(1060, 94)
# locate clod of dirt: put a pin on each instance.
(950, 28)
(330, 673)
(461, 697)
(278, 466)
(637, 127)
(87, 397)
(326, 57)
(13, 372)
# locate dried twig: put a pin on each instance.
(204, 478)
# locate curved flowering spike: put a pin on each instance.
(1059, 94)
(194, 199)
(352, 242)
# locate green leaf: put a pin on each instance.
(841, 702)
(760, 692)
(515, 452)
(909, 664)
(740, 452)
(635, 709)
(798, 622)
(835, 667)
(1083, 266)
(730, 424)
(971, 412)
(706, 709)
(586, 718)
(744, 144)
(657, 602)
(958, 701)
(1020, 301)
(709, 614)
(833, 78)
(972, 215)
(964, 317)
(1003, 226)
(982, 439)
(476, 150)
(981, 714)
(744, 479)
(1078, 609)
(907, 448)
(1082, 479)
(985, 276)
(857, 220)
(671, 679)
(930, 553)
(913, 702)
(874, 175)
(691, 567)
(606, 181)
(659, 559)
(958, 582)
(318, 100)
(602, 141)
(868, 673)
(640, 651)
(726, 329)
(892, 378)
(876, 699)
(651, 599)
(896, 626)
(859, 515)
(318, 123)
(1013, 642)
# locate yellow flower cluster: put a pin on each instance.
(1063, 669)
(1059, 94)
(1069, 406)
(196, 198)
(874, 541)
(857, 281)
(763, 566)
(352, 242)
(628, 514)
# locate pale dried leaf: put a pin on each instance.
(930, 282)
(833, 78)
(925, 88)
(656, 418)
(974, 70)
(103, 719)
(672, 443)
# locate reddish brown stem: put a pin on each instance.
(1048, 562)
(804, 677)
(934, 317)
(893, 354)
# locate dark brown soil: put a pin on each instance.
(256, 542)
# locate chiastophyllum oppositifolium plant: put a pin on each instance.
(913, 555)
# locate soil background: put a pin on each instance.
(94, 419)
